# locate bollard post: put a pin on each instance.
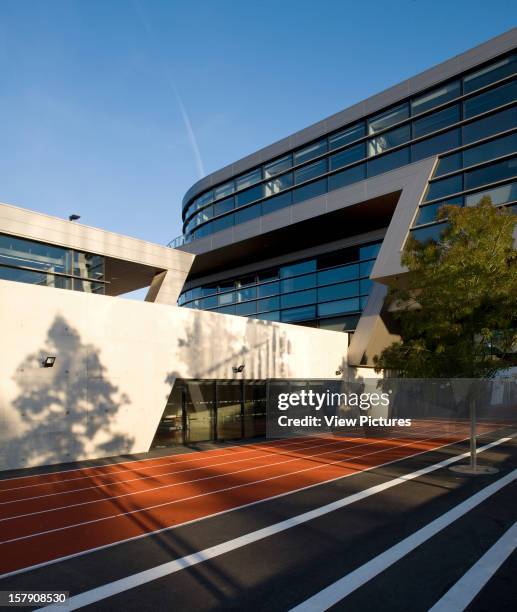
(473, 428)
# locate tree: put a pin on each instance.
(457, 307)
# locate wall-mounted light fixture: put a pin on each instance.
(238, 369)
(339, 371)
(74, 217)
(48, 361)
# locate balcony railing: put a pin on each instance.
(179, 241)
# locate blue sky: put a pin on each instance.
(111, 107)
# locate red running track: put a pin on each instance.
(50, 516)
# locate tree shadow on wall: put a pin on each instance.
(66, 412)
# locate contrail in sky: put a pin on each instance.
(170, 81)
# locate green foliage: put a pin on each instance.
(457, 309)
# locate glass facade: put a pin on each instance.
(464, 111)
(203, 410)
(37, 263)
(328, 291)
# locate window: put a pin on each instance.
(490, 150)
(349, 135)
(342, 324)
(436, 97)
(222, 223)
(389, 140)
(366, 267)
(499, 122)
(298, 268)
(347, 177)
(437, 144)
(208, 302)
(311, 171)
(310, 152)
(444, 187)
(388, 162)
(278, 166)
(268, 289)
(490, 99)
(20, 252)
(338, 258)
(310, 191)
(428, 214)
(336, 275)
(447, 164)
(369, 251)
(298, 282)
(34, 278)
(366, 286)
(270, 316)
(348, 156)
(432, 233)
(226, 298)
(224, 190)
(272, 303)
(336, 292)
(205, 214)
(227, 310)
(203, 200)
(247, 308)
(249, 179)
(245, 197)
(490, 174)
(388, 118)
(278, 184)
(245, 294)
(298, 314)
(499, 195)
(490, 74)
(333, 308)
(223, 206)
(436, 121)
(277, 202)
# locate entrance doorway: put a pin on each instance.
(212, 410)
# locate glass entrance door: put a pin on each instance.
(229, 409)
(170, 429)
(199, 411)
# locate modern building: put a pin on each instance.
(280, 272)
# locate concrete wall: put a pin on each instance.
(117, 361)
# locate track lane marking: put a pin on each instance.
(212, 477)
(216, 491)
(196, 456)
(216, 514)
(343, 587)
(459, 596)
(191, 469)
(165, 569)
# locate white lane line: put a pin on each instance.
(191, 469)
(340, 589)
(339, 449)
(196, 456)
(165, 569)
(206, 494)
(351, 439)
(229, 510)
(459, 596)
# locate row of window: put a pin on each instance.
(421, 126)
(433, 232)
(278, 198)
(503, 194)
(331, 285)
(37, 263)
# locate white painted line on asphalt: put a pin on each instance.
(459, 596)
(340, 589)
(222, 512)
(208, 493)
(130, 582)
